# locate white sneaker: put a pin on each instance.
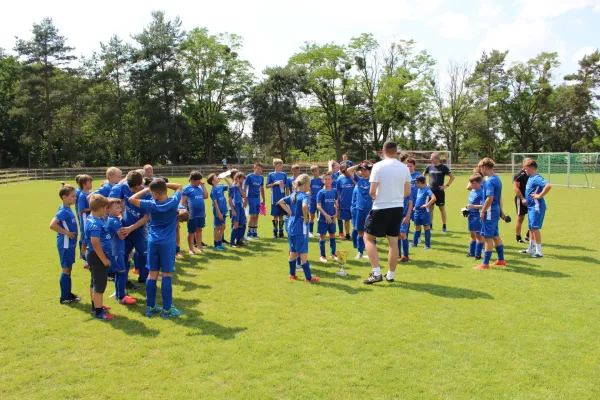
(526, 251)
(334, 257)
(256, 237)
(358, 256)
(310, 235)
(366, 256)
(249, 239)
(323, 259)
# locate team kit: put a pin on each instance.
(137, 219)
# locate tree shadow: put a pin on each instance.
(121, 322)
(443, 291)
(343, 288)
(536, 272)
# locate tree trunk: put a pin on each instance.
(281, 141)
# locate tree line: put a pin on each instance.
(166, 95)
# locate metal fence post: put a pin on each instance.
(7, 177)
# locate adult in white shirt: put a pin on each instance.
(390, 183)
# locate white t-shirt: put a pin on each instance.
(391, 175)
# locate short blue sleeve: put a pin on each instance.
(148, 205)
(82, 202)
(177, 196)
(94, 230)
(270, 179)
(319, 197)
(306, 200)
(116, 192)
(187, 190)
(61, 215)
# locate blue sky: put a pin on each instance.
(274, 30)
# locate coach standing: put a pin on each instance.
(519, 185)
(437, 174)
(390, 182)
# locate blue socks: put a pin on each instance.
(292, 267)
(478, 249)
(298, 262)
(472, 246)
(341, 225)
(306, 269)
(65, 286)
(311, 227)
(151, 293)
(487, 256)
(416, 237)
(428, 238)
(177, 249)
(355, 238)
(500, 251)
(322, 247)
(332, 244)
(361, 244)
(405, 247)
(167, 292)
(120, 283)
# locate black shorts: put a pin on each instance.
(520, 207)
(440, 197)
(386, 222)
(99, 272)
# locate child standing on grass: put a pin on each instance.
(255, 190)
(83, 211)
(537, 188)
(326, 204)
(276, 181)
(217, 195)
(192, 198)
(238, 215)
(163, 212)
(425, 198)
(345, 187)
(474, 222)
(408, 210)
(113, 176)
(364, 204)
(296, 206)
(316, 184)
(97, 255)
(64, 224)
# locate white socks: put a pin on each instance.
(390, 275)
(538, 248)
(376, 271)
(531, 246)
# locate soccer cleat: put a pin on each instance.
(426, 248)
(131, 286)
(127, 301)
(373, 279)
(478, 257)
(274, 235)
(390, 280)
(313, 279)
(192, 253)
(257, 237)
(470, 255)
(280, 234)
(293, 277)
(66, 301)
(527, 238)
(482, 266)
(358, 256)
(152, 310)
(74, 297)
(334, 257)
(136, 271)
(242, 244)
(105, 308)
(413, 245)
(179, 256)
(323, 259)
(526, 252)
(404, 259)
(342, 235)
(520, 241)
(537, 255)
(225, 241)
(348, 237)
(110, 278)
(104, 316)
(249, 238)
(500, 263)
(310, 235)
(444, 230)
(365, 256)
(171, 313)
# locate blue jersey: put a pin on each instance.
(112, 226)
(94, 228)
(475, 199)
(235, 193)
(254, 182)
(77, 193)
(365, 202)
(316, 184)
(163, 218)
(277, 193)
(326, 198)
(493, 187)
(82, 204)
(413, 184)
(195, 201)
(296, 224)
(423, 197)
(535, 185)
(68, 221)
(345, 186)
(218, 194)
(335, 176)
(105, 190)
(132, 213)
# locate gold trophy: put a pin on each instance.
(342, 257)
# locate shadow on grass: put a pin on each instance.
(223, 256)
(583, 259)
(121, 322)
(189, 286)
(430, 264)
(331, 274)
(541, 273)
(568, 247)
(201, 327)
(442, 291)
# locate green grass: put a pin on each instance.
(443, 330)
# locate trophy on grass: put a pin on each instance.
(342, 257)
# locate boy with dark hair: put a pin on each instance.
(255, 191)
(114, 227)
(64, 224)
(316, 184)
(423, 200)
(192, 198)
(276, 181)
(163, 212)
(217, 195)
(537, 188)
(238, 215)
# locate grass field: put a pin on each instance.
(442, 330)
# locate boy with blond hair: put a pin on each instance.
(255, 191)
(316, 184)
(113, 176)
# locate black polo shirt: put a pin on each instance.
(522, 178)
(437, 174)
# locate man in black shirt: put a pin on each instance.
(437, 174)
(520, 184)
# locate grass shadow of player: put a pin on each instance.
(121, 322)
(223, 256)
(260, 247)
(426, 264)
(189, 286)
(583, 259)
(343, 288)
(568, 247)
(541, 273)
(332, 275)
(195, 262)
(442, 291)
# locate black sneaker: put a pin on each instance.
(66, 301)
(348, 237)
(280, 234)
(242, 244)
(373, 279)
(225, 241)
(275, 235)
(74, 297)
(470, 255)
(387, 279)
(131, 286)
(520, 241)
(142, 281)
(527, 238)
(478, 257)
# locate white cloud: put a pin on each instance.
(453, 25)
(584, 51)
(551, 8)
(489, 10)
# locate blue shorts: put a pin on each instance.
(220, 222)
(345, 215)
(405, 228)
(323, 228)
(117, 263)
(422, 219)
(196, 223)
(240, 215)
(298, 244)
(276, 211)
(253, 205)
(489, 226)
(161, 257)
(138, 239)
(361, 218)
(536, 218)
(67, 256)
(312, 207)
(475, 224)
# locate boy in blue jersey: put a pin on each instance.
(316, 184)
(276, 181)
(473, 211)
(409, 202)
(334, 168)
(97, 255)
(83, 211)
(364, 204)
(345, 187)
(289, 183)
(192, 199)
(163, 212)
(537, 188)
(113, 176)
(490, 215)
(353, 213)
(113, 227)
(236, 204)
(326, 204)
(64, 224)
(346, 161)
(296, 206)
(422, 214)
(219, 203)
(255, 191)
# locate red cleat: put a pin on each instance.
(482, 266)
(500, 263)
(314, 279)
(342, 235)
(136, 271)
(86, 266)
(109, 316)
(293, 277)
(128, 301)
(404, 259)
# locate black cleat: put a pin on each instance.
(131, 286)
(373, 279)
(520, 241)
(275, 235)
(225, 241)
(280, 234)
(387, 279)
(74, 297)
(470, 255)
(478, 257)
(66, 301)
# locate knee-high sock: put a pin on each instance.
(65, 286)
(281, 227)
(167, 292)
(233, 237)
(405, 247)
(150, 293)
(243, 230)
(121, 291)
(478, 249)
(341, 225)
(500, 251)
(428, 238)
(274, 227)
(311, 227)
(361, 244)
(322, 247)
(416, 237)
(487, 256)
(472, 246)
(292, 267)
(306, 269)
(332, 244)
(355, 238)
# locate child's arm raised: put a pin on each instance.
(136, 198)
(175, 186)
(55, 226)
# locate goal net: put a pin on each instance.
(563, 169)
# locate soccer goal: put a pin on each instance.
(563, 169)
(423, 157)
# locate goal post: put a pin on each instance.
(423, 157)
(563, 169)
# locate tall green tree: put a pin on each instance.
(11, 125)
